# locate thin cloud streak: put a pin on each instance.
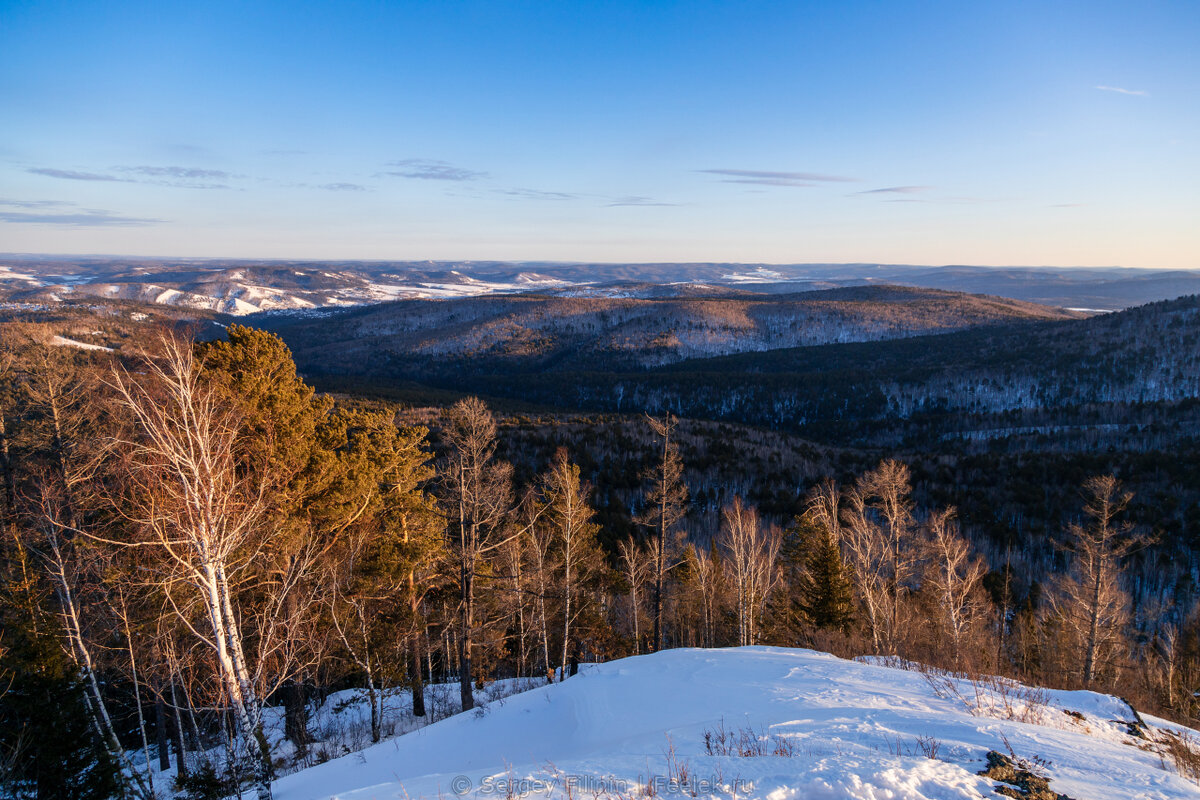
(342, 187)
(73, 175)
(178, 177)
(180, 173)
(897, 190)
(35, 203)
(774, 178)
(637, 200)
(537, 194)
(88, 218)
(1119, 90)
(432, 170)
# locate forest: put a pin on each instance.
(1126, 379)
(195, 538)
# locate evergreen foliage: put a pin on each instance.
(827, 595)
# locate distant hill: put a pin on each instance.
(877, 366)
(239, 286)
(1133, 373)
(538, 333)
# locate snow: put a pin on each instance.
(846, 729)
(62, 341)
(759, 275)
(9, 274)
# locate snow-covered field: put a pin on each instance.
(815, 726)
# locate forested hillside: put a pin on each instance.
(531, 333)
(1131, 376)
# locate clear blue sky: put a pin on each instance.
(919, 132)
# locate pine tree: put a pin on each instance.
(49, 746)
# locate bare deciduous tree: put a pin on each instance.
(753, 551)
(570, 516)
(955, 578)
(634, 566)
(198, 515)
(881, 545)
(1091, 601)
(479, 496)
(666, 504)
(706, 570)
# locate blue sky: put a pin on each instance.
(903, 132)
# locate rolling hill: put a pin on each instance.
(539, 333)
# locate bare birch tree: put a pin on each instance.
(634, 566)
(753, 551)
(198, 515)
(955, 578)
(479, 496)
(881, 545)
(1091, 601)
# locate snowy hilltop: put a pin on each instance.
(771, 723)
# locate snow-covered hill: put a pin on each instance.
(759, 723)
(239, 286)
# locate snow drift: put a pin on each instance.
(759, 723)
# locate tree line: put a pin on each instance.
(193, 535)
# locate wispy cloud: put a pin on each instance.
(34, 203)
(83, 218)
(342, 187)
(898, 190)
(180, 177)
(538, 194)
(637, 200)
(1119, 90)
(73, 175)
(431, 170)
(771, 178)
(1068, 205)
(179, 173)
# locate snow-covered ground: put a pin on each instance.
(829, 728)
(62, 341)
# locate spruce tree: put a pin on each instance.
(826, 593)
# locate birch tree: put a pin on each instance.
(954, 577)
(197, 514)
(634, 564)
(478, 499)
(753, 550)
(880, 537)
(1091, 600)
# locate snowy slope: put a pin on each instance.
(845, 729)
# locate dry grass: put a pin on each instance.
(1183, 751)
(746, 742)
